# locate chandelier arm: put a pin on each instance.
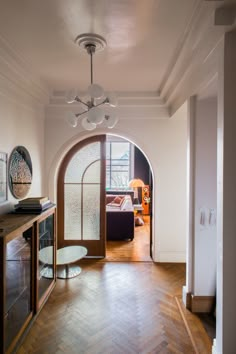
(80, 101)
(80, 114)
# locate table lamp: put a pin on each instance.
(135, 184)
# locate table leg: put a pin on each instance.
(68, 271)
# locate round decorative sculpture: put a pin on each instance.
(20, 172)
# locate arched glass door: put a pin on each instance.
(81, 197)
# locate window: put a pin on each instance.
(118, 164)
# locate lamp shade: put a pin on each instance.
(135, 183)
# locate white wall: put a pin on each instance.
(22, 123)
(163, 141)
(205, 233)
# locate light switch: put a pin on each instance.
(212, 217)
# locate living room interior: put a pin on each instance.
(125, 162)
(171, 66)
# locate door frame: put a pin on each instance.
(96, 248)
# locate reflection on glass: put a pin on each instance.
(18, 284)
(45, 268)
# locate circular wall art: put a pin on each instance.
(20, 172)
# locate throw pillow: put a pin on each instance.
(117, 201)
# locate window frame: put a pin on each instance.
(110, 165)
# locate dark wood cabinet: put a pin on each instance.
(25, 282)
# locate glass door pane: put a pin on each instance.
(91, 212)
(81, 197)
(46, 255)
(72, 214)
(18, 284)
(82, 194)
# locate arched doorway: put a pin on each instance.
(125, 162)
(82, 187)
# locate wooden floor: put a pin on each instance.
(125, 304)
(118, 308)
(137, 250)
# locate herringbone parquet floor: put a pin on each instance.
(118, 308)
(137, 250)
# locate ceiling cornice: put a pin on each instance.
(17, 77)
(180, 47)
(194, 64)
(132, 105)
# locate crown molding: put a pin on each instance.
(180, 47)
(17, 77)
(195, 62)
(125, 98)
(131, 105)
(156, 113)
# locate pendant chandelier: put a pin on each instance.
(99, 109)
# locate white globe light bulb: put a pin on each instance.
(112, 98)
(110, 121)
(96, 115)
(95, 91)
(86, 124)
(71, 119)
(70, 96)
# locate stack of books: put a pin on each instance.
(33, 205)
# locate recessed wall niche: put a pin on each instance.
(20, 172)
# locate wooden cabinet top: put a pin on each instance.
(14, 223)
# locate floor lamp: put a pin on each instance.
(135, 184)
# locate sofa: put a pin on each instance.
(119, 217)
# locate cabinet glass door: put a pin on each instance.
(46, 259)
(18, 293)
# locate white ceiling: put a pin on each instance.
(143, 38)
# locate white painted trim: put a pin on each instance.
(19, 76)
(149, 106)
(190, 193)
(15, 93)
(188, 30)
(144, 112)
(214, 347)
(51, 188)
(125, 99)
(170, 257)
(184, 295)
(196, 61)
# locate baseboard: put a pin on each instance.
(170, 257)
(204, 304)
(187, 298)
(214, 350)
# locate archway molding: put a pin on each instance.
(55, 165)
